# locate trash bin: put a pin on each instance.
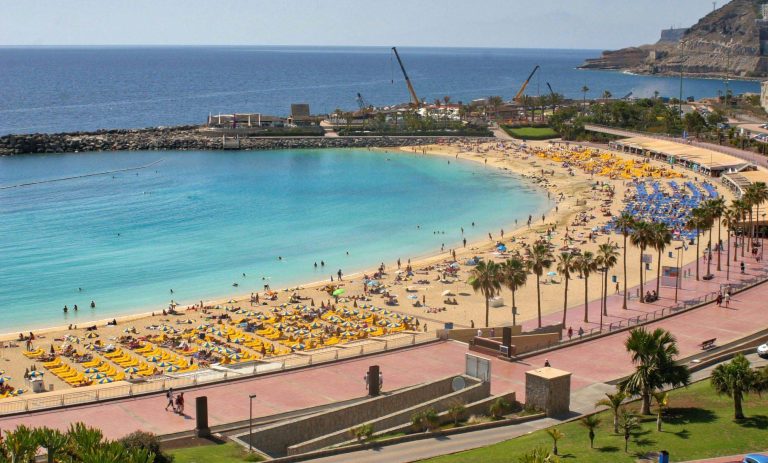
(448, 325)
(663, 456)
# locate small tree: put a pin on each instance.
(556, 435)
(52, 440)
(591, 422)
(662, 400)
(736, 379)
(498, 408)
(425, 420)
(628, 423)
(362, 433)
(456, 411)
(613, 401)
(538, 455)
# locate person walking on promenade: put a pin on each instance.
(180, 403)
(719, 299)
(570, 332)
(581, 332)
(727, 299)
(169, 396)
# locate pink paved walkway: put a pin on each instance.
(593, 362)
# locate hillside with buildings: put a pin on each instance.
(730, 41)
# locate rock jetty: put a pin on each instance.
(183, 138)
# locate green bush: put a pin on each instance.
(146, 441)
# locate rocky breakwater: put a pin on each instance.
(182, 138)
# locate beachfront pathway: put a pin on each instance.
(591, 363)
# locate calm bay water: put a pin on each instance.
(197, 221)
(67, 89)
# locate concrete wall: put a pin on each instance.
(275, 439)
(469, 394)
(520, 344)
(466, 334)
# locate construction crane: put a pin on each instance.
(554, 97)
(414, 99)
(361, 103)
(626, 97)
(525, 84)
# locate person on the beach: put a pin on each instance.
(339, 274)
(93, 305)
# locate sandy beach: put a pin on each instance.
(578, 209)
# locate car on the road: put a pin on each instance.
(762, 350)
(755, 458)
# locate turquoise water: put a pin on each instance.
(197, 221)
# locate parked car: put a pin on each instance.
(762, 350)
(755, 458)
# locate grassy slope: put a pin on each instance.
(698, 424)
(225, 453)
(531, 133)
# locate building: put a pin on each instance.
(764, 94)
(764, 10)
(299, 110)
(246, 120)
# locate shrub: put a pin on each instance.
(362, 433)
(146, 441)
(498, 408)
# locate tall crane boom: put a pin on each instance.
(414, 98)
(525, 84)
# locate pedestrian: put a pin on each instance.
(479, 333)
(546, 363)
(743, 267)
(570, 332)
(471, 323)
(617, 286)
(493, 332)
(581, 331)
(425, 327)
(169, 396)
(727, 299)
(719, 299)
(180, 403)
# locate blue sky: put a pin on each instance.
(598, 24)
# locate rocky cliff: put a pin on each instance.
(726, 42)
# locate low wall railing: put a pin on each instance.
(93, 394)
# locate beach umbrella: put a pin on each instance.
(338, 292)
(413, 296)
(4, 379)
(373, 283)
(98, 376)
(35, 373)
(131, 370)
(447, 292)
(18, 392)
(299, 346)
(153, 358)
(91, 370)
(163, 364)
(172, 368)
(235, 356)
(105, 380)
(551, 274)
(91, 335)
(207, 345)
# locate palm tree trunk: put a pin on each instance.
(719, 240)
(538, 297)
(487, 310)
(624, 305)
(646, 408)
(738, 412)
(698, 241)
(615, 421)
(513, 307)
(658, 273)
(709, 254)
(642, 292)
(728, 257)
(586, 300)
(565, 300)
(605, 293)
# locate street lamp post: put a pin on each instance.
(602, 308)
(250, 422)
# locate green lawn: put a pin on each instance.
(224, 453)
(531, 133)
(698, 424)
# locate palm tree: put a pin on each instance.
(624, 225)
(642, 237)
(538, 455)
(629, 423)
(662, 400)
(653, 354)
(514, 276)
(566, 263)
(607, 257)
(717, 209)
(709, 211)
(730, 220)
(607, 95)
(540, 260)
(697, 221)
(556, 435)
(591, 422)
(586, 264)
(739, 207)
(20, 444)
(52, 440)
(614, 402)
(755, 195)
(736, 379)
(662, 238)
(486, 279)
(584, 90)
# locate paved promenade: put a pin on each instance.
(591, 363)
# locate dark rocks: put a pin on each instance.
(183, 138)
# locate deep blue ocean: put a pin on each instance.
(67, 89)
(197, 221)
